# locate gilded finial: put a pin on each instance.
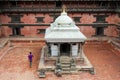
(63, 8)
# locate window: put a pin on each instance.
(76, 19)
(58, 3)
(13, 3)
(99, 31)
(15, 18)
(104, 3)
(39, 19)
(40, 31)
(100, 18)
(54, 16)
(16, 30)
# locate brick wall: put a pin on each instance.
(32, 31)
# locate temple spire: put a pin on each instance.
(64, 8)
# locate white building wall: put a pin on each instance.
(75, 50)
(54, 50)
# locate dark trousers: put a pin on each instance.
(30, 64)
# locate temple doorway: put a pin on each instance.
(65, 49)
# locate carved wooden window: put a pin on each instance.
(12, 3)
(39, 19)
(99, 31)
(76, 19)
(40, 31)
(100, 18)
(16, 31)
(58, 3)
(15, 18)
(104, 3)
(54, 16)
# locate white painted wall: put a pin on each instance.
(75, 50)
(54, 50)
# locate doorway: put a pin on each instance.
(65, 49)
(99, 31)
(16, 31)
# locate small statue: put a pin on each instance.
(58, 70)
(72, 60)
(42, 73)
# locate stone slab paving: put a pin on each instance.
(15, 66)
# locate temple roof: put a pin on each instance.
(64, 30)
(64, 36)
(63, 19)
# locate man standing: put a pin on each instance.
(30, 57)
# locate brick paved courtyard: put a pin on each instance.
(14, 65)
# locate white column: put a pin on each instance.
(54, 50)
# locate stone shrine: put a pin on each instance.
(63, 52)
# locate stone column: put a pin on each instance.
(70, 49)
(78, 49)
(58, 49)
(46, 50)
(49, 51)
(81, 53)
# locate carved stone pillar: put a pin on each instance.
(78, 49)
(81, 52)
(58, 49)
(70, 49)
(49, 50)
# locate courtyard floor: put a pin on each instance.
(14, 63)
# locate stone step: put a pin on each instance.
(65, 59)
(65, 62)
(74, 72)
(66, 69)
(66, 72)
(64, 65)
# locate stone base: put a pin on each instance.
(85, 66)
(81, 65)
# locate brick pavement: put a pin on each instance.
(14, 65)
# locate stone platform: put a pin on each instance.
(48, 63)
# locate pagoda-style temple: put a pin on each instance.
(64, 43)
(64, 37)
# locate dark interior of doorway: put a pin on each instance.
(16, 31)
(65, 49)
(99, 31)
